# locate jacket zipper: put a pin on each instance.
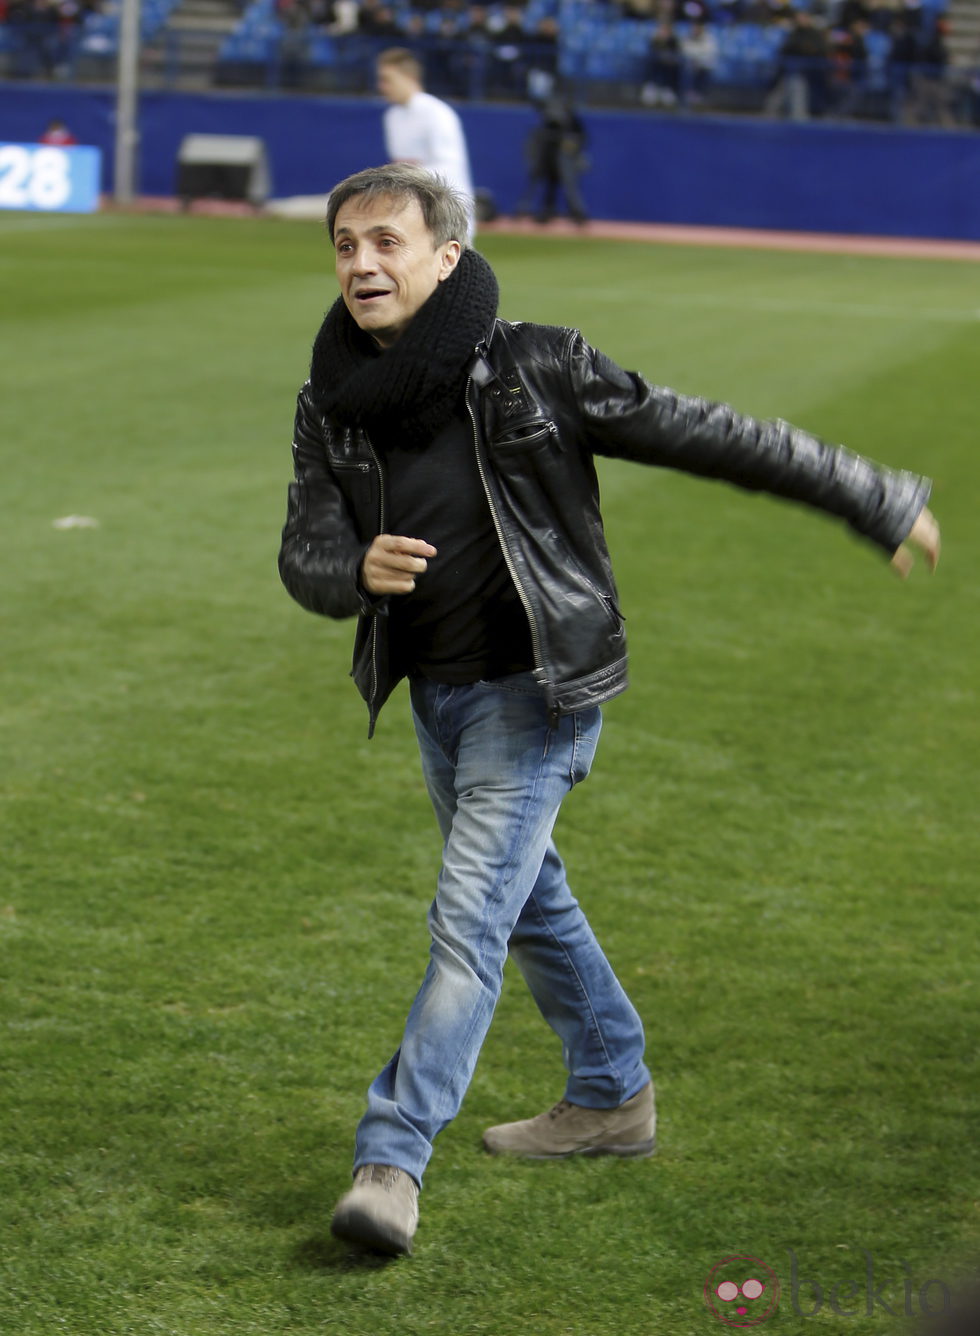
(549, 430)
(374, 619)
(540, 673)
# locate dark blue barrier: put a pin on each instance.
(716, 171)
(811, 177)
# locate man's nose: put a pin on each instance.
(365, 261)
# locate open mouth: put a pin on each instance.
(368, 295)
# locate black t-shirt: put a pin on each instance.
(464, 620)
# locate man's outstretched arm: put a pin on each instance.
(629, 418)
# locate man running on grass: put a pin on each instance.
(446, 495)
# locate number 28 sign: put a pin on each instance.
(42, 177)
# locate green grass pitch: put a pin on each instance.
(214, 888)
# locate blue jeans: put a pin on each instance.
(497, 772)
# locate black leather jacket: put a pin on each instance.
(542, 404)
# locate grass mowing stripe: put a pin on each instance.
(781, 306)
(213, 908)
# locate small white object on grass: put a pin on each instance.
(75, 522)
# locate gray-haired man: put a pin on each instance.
(446, 496)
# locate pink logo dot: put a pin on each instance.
(742, 1291)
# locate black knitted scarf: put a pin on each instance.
(408, 392)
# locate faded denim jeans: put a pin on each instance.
(497, 772)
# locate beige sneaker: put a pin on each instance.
(381, 1211)
(570, 1129)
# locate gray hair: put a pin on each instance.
(444, 209)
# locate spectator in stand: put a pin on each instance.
(971, 92)
(756, 12)
(770, 11)
(422, 129)
(378, 20)
(37, 25)
(507, 74)
(851, 12)
(700, 50)
(691, 11)
(57, 134)
(662, 88)
(883, 14)
(294, 47)
(929, 102)
(477, 30)
(338, 18)
(294, 14)
(453, 16)
(849, 64)
(902, 56)
(544, 48)
(470, 52)
(801, 85)
(447, 56)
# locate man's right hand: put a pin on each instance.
(924, 537)
(391, 564)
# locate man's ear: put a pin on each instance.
(450, 259)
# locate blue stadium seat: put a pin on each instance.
(99, 35)
(323, 52)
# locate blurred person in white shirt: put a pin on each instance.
(700, 50)
(422, 129)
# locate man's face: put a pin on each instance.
(387, 263)
(394, 84)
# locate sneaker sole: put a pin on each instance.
(361, 1228)
(639, 1150)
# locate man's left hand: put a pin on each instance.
(924, 535)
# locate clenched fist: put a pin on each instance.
(392, 562)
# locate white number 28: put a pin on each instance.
(37, 178)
